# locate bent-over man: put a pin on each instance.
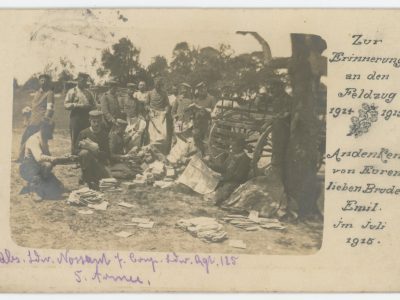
(37, 164)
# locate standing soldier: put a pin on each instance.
(141, 94)
(173, 96)
(130, 103)
(160, 120)
(79, 100)
(110, 105)
(203, 98)
(184, 99)
(42, 109)
(281, 107)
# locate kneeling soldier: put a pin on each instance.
(93, 150)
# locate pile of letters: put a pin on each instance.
(204, 228)
(85, 196)
(108, 184)
(253, 222)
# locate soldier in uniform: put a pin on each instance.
(281, 107)
(110, 105)
(160, 119)
(120, 167)
(141, 94)
(42, 109)
(37, 164)
(180, 106)
(234, 170)
(80, 101)
(203, 98)
(93, 150)
(130, 103)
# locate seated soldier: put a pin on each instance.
(93, 151)
(119, 165)
(234, 171)
(37, 164)
(135, 132)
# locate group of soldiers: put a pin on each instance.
(103, 131)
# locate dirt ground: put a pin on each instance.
(56, 224)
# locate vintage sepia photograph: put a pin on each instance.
(135, 130)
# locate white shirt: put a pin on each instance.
(141, 96)
(33, 149)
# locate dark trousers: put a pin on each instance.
(77, 123)
(40, 179)
(224, 190)
(280, 141)
(93, 170)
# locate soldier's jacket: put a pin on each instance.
(100, 138)
(116, 142)
(42, 102)
(207, 102)
(110, 107)
(83, 97)
(179, 108)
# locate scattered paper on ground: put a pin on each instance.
(253, 222)
(206, 229)
(125, 204)
(140, 220)
(85, 212)
(199, 177)
(146, 225)
(101, 206)
(237, 244)
(123, 234)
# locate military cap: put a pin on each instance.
(122, 122)
(95, 114)
(262, 90)
(83, 75)
(111, 82)
(44, 75)
(186, 85)
(201, 84)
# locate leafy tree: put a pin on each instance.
(182, 62)
(158, 66)
(122, 62)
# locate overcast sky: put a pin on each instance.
(44, 36)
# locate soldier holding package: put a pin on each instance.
(93, 150)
